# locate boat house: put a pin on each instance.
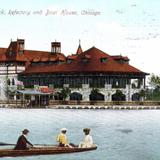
(90, 75)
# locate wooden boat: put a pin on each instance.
(45, 150)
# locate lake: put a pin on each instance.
(119, 134)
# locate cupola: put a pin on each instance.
(55, 47)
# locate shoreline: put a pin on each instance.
(113, 107)
(89, 107)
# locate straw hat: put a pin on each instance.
(64, 129)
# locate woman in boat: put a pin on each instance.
(22, 141)
(88, 140)
(62, 139)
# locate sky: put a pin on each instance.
(118, 27)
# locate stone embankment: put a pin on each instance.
(114, 107)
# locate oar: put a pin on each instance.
(10, 144)
(6, 144)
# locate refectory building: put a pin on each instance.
(15, 59)
(90, 75)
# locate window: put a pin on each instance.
(58, 50)
(69, 61)
(84, 60)
(53, 50)
(103, 60)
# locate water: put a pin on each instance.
(120, 135)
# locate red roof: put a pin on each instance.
(2, 54)
(28, 55)
(92, 60)
(94, 64)
(87, 56)
(72, 57)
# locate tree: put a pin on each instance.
(94, 94)
(154, 81)
(65, 93)
(153, 92)
(142, 94)
(95, 91)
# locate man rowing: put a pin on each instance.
(22, 142)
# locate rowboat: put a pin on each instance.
(43, 150)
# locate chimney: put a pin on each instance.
(55, 47)
(20, 46)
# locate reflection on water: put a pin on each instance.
(126, 131)
(120, 135)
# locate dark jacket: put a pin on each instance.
(22, 143)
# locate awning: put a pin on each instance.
(32, 92)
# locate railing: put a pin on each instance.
(96, 85)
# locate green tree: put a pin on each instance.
(94, 91)
(154, 81)
(142, 94)
(153, 93)
(65, 93)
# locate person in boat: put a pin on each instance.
(62, 139)
(88, 140)
(22, 142)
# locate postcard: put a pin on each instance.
(79, 80)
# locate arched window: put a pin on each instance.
(96, 96)
(136, 97)
(75, 96)
(118, 96)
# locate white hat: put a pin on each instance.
(64, 129)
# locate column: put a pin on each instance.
(85, 92)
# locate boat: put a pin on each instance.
(43, 150)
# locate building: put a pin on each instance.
(16, 59)
(90, 75)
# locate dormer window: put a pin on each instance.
(103, 60)
(120, 59)
(69, 61)
(85, 60)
